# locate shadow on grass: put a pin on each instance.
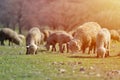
(82, 57)
(90, 57)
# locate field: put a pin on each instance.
(46, 65)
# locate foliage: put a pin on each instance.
(58, 14)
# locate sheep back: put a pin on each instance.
(9, 34)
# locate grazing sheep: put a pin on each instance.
(102, 52)
(115, 35)
(73, 45)
(86, 34)
(33, 40)
(60, 37)
(103, 43)
(9, 34)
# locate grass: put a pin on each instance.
(15, 65)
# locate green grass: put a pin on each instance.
(15, 65)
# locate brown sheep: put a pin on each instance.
(60, 37)
(86, 34)
(33, 40)
(115, 35)
(9, 34)
(103, 43)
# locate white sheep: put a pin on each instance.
(86, 34)
(33, 40)
(103, 43)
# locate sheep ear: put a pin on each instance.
(27, 46)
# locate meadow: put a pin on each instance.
(46, 65)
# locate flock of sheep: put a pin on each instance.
(89, 35)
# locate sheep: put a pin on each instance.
(31, 49)
(33, 40)
(86, 34)
(72, 32)
(60, 37)
(22, 37)
(73, 45)
(46, 33)
(118, 31)
(9, 34)
(103, 43)
(115, 35)
(42, 38)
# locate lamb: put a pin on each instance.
(33, 40)
(60, 37)
(9, 34)
(102, 52)
(115, 35)
(86, 34)
(103, 43)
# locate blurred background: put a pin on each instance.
(65, 15)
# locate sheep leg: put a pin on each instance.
(2, 42)
(103, 55)
(108, 48)
(9, 42)
(90, 48)
(53, 48)
(61, 49)
(36, 51)
(94, 49)
(97, 55)
(67, 48)
(83, 50)
(27, 52)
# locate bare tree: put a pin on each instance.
(63, 15)
(58, 14)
